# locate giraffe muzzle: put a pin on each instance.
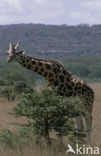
(9, 59)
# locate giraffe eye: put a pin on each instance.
(17, 53)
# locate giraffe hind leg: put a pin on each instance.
(79, 123)
(88, 121)
(80, 127)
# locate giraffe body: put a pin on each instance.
(56, 75)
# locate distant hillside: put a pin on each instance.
(48, 41)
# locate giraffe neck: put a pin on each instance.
(38, 66)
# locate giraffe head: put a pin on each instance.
(13, 52)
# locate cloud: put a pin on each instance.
(50, 11)
(88, 12)
(94, 5)
(33, 11)
(41, 1)
(13, 3)
(85, 17)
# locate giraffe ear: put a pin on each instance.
(23, 52)
(17, 46)
(10, 46)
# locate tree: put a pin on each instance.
(6, 92)
(11, 92)
(49, 111)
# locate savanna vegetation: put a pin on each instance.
(48, 112)
(12, 131)
(85, 67)
(50, 116)
(14, 79)
(49, 41)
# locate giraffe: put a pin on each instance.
(56, 75)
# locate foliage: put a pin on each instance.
(53, 40)
(49, 111)
(13, 73)
(6, 92)
(14, 140)
(14, 80)
(84, 67)
(87, 68)
(11, 92)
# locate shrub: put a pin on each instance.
(49, 111)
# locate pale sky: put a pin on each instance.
(70, 12)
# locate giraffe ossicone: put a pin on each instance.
(56, 75)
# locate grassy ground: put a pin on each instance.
(6, 118)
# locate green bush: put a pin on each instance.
(49, 111)
(11, 92)
(14, 140)
(6, 91)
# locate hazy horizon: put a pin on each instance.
(81, 24)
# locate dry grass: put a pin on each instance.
(96, 133)
(5, 119)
